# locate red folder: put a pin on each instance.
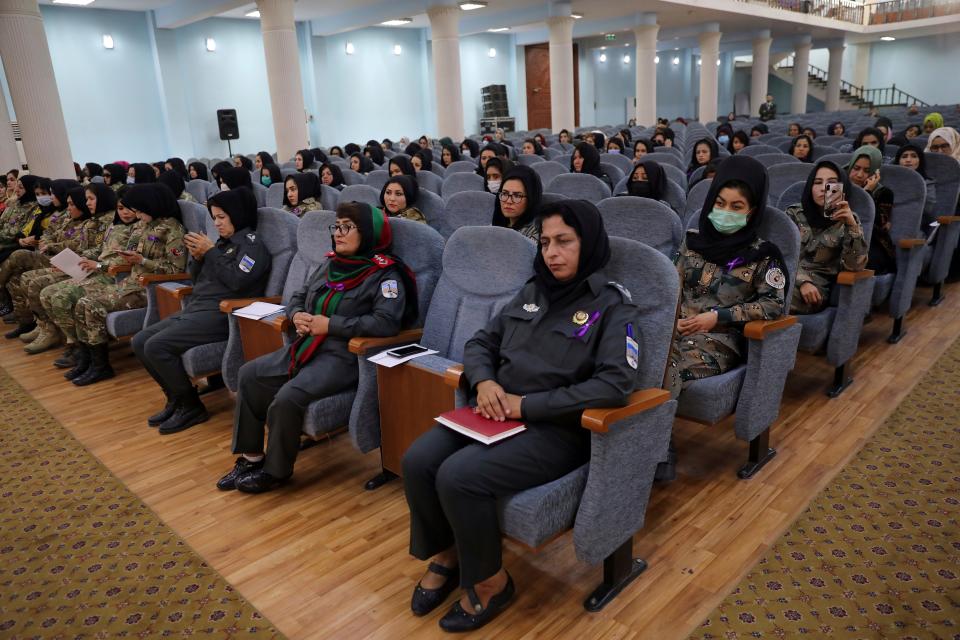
(475, 426)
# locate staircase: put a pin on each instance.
(851, 96)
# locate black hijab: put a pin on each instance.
(116, 216)
(239, 204)
(761, 128)
(472, 145)
(411, 191)
(646, 145)
(655, 186)
(428, 155)
(334, 149)
(594, 249)
(174, 182)
(118, 175)
(29, 183)
(809, 140)
(617, 142)
(591, 159)
(741, 136)
(78, 197)
(276, 176)
(454, 153)
(218, 169)
(599, 141)
(912, 146)
(351, 148)
(245, 162)
(366, 164)
(730, 250)
(375, 153)
(811, 210)
(534, 188)
(318, 155)
(155, 200)
(265, 158)
(714, 154)
(143, 173)
(411, 149)
(335, 172)
(870, 131)
(201, 170)
(537, 147)
(503, 165)
(308, 186)
(176, 164)
(60, 187)
(106, 198)
(404, 164)
(832, 129)
(236, 177)
(307, 156)
(93, 169)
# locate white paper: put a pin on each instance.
(69, 262)
(933, 234)
(258, 310)
(385, 360)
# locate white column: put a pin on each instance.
(801, 67)
(283, 76)
(646, 66)
(33, 89)
(709, 54)
(445, 41)
(834, 74)
(760, 73)
(9, 158)
(561, 73)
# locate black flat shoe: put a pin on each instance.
(426, 600)
(258, 481)
(242, 468)
(163, 415)
(183, 418)
(68, 360)
(457, 620)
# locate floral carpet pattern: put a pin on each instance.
(877, 553)
(82, 557)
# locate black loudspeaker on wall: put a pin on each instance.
(227, 122)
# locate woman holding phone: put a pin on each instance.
(831, 237)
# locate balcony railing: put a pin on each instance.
(844, 10)
(861, 96)
(902, 10)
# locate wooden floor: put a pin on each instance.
(323, 558)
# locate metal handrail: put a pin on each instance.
(888, 11)
(843, 10)
(878, 97)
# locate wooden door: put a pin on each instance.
(537, 58)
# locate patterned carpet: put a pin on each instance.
(82, 556)
(877, 553)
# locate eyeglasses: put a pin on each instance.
(511, 196)
(940, 148)
(342, 229)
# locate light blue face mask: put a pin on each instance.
(131, 180)
(613, 150)
(266, 181)
(723, 139)
(44, 201)
(727, 222)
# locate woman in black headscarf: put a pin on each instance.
(375, 153)
(304, 160)
(351, 148)
(531, 147)
(234, 178)
(448, 155)
(911, 156)
(173, 181)
(236, 265)
(648, 180)
(599, 141)
(332, 176)
(518, 201)
(642, 147)
(270, 174)
(412, 148)
(398, 197)
(91, 170)
(836, 129)
(114, 176)
(177, 164)
(615, 145)
(336, 151)
(870, 136)
(262, 159)
(738, 141)
(758, 130)
(586, 159)
(729, 275)
(831, 237)
(493, 174)
(361, 163)
(704, 151)
(141, 173)
(319, 157)
(243, 162)
(301, 193)
(469, 148)
(537, 361)
(198, 171)
(802, 147)
(401, 166)
(216, 171)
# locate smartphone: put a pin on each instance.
(409, 350)
(832, 194)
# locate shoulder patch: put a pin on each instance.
(775, 278)
(246, 263)
(389, 289)
(622, 289)
(251, 237)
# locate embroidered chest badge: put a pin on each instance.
(531, 308)
(229, 250)
(246, 263)
(633, 349)
(389, 289)
(775, 278)
(251, 237)
(580, 318)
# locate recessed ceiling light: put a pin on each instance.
(603, 57)
(676, 48)
(603, 48)
(396, 22)
(576, 16)
(76, 3)
(252, 14)
(211, 44)
(887, 38)
(397, 49)
(473, 4)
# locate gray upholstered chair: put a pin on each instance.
(260, 193)
(605, 500)
(754, 150)
(360, 193)
(782, 176)
(549, 170)
(430, 181)
(840, 159)
(836, 328)
(377, 179)
(648, 221)
(436, 167)
(619, 160)
(753, 390)
(677, 175)
(329, 197)
(468, 209)
(579, 186)
(275, 195)
(695, 176)
(460, 181)
(530, 159)
(198, 189)
(613, 171)
(460, 166)
(695, 200)
(664, 157)
(351, 177)
(896, 289)
(945, 172)
(676, 197)
(550, 198)
(433, 209)
(772, 159)
(791, 195)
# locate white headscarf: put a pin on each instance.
(950, 136)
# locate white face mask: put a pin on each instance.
(494, 185)
(131, 180)
(224, 187)
(465, 153)
(614, 150)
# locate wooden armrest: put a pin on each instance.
(599, 420)
(948, 219)
(154, 278)
(453, 376)
(361, 345)
(117, 269)
(910, 243)
(280, 323)
(180, 293)
(229, 306)
(851, 277)
(760, 329)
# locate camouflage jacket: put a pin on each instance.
(13, 219)
(161, 245)
(753, 291)
(119, 237)
(93, 233)
(825, 252)
(412, 213)
(186, 196)
(308, 204)
(63, 233)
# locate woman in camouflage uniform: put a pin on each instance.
(830, 241)
(174, 181)
(398, 197)
(56, 301)
(160, 250)
(301, 193)
(114, 176)
(15, 216)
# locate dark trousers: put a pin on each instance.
(268, 396)
(160, 346)
(452, 484)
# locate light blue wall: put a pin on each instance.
(924, 67)
(477, 70)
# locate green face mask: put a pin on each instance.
(727, 222)
(266, 181)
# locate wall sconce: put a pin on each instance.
(492, 52)
(676, 61)
(603, 57)
(211, 44)
(397, 49)
(656, 59)
(107, 41)
(626, 59)
(349, 48)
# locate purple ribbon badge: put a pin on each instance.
(336, 286)
(153, 238)
(733, 264)
(582, 331)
